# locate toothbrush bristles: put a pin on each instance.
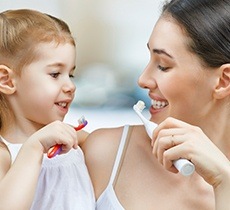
(82, 120)
(140, 105)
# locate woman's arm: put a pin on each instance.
(174, 139)
(222, 191)
(81, 137)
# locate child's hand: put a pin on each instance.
(54, 133)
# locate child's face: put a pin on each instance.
(45, 88)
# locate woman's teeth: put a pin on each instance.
(159, 104)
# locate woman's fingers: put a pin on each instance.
(171, 147)
(174, 139)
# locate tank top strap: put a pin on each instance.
(120, 154)
(13, 148)
(3, 140)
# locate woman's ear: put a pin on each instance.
(7, 80)
(222, 89)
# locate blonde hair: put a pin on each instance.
(21, 31)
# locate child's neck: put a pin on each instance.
(18, 134)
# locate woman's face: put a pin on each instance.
(179, 86)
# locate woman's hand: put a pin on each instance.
(174, 139)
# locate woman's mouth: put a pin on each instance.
(158, 104)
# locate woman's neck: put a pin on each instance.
(217, 128)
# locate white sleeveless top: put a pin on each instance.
(63, 183)
(108, 199)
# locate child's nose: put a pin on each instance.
(69, 87)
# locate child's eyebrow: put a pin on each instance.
(60, 65)
(56, 65)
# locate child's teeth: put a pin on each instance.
(62, 104)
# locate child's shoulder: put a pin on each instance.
(5, 159)
(3, 148)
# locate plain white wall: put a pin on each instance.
(107, 31)
(50, 6)
(112, 32)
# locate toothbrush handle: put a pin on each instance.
(53, 151)
(185, 167)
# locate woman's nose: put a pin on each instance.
(146, 79)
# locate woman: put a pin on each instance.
(188, 78)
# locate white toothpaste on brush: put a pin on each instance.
(184, 166)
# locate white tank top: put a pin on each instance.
(64, 182)
(108, 199)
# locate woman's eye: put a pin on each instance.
(54, 75)
(162, 68)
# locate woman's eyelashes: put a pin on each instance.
(162, 68)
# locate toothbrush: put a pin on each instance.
(53, 151)
(185, 167)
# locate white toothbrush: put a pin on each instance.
(184, 166)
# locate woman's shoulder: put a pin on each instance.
(105, 141)
(100, 149)
(102, 141)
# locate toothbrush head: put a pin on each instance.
(82, 123)
(82, 120)
(139, 106)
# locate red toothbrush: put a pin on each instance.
(53, 151)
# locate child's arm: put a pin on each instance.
(18, 182)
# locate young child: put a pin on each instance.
(37, 62)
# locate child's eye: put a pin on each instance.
(55, 75)
(71, 76)
(162, 68)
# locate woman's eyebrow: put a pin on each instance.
(160, 51)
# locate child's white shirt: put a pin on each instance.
(64, 182)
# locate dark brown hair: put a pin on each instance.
(207, 23)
